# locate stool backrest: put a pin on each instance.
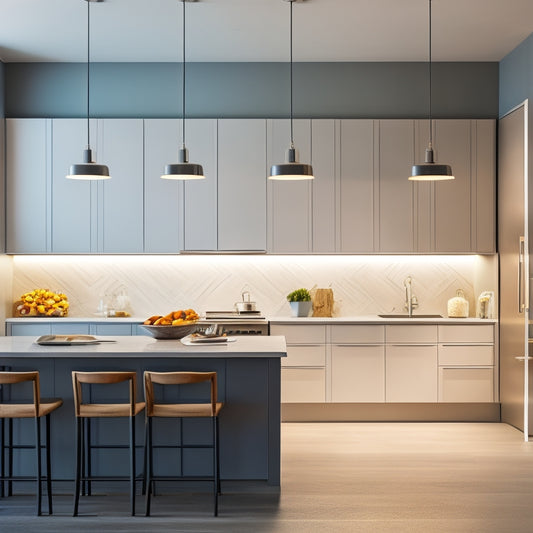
(99, 378)
(177, 378)
(12, 378)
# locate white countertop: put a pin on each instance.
(368, 319)
(144, 346)
(375, 319)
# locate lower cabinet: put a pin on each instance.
(404, 363)
(303, 371)
(357, 373)
(64, 327)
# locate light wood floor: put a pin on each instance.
(349, 477)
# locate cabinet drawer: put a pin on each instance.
(348, 334)
(466, 385)
(450, 354)
(467, 333)
(303, 385)
(305, 356)
(402, 334)
(300, 334)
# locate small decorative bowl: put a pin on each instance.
(170, 332)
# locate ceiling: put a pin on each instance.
(258, 30)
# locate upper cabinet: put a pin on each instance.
(242, 184)
(28, 185)
(360, 200)
(179, 215)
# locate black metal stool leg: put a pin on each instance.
(10, 457)
(48, 466)
(88, 456)
(215, 466)
(149, 466)
(132, 464)
(39, 466)
(2, 458)
(79, 458)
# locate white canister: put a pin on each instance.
(458, 306)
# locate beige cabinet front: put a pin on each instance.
(358, 373)
(411, 373)
(458, 384)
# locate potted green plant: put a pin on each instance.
(300, 302)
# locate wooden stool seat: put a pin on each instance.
(195, 409)
(27, 410)
(37, 409)
(85, 411)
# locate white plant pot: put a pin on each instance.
(301, 309)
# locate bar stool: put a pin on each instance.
(155, 409)
(85, 411)
(37, 410)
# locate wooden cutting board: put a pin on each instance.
(323, 302)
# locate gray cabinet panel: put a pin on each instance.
(356, 186)
(289, 202)
(484, 172)
(453, 198)
(27, 185)
(200, 206)
(323, 157)
(396, 205)
(163, 199)
(73, 201)
(242, 184)
(122, 206)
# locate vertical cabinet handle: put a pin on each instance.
(521, 264)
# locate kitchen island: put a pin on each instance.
(248, 383)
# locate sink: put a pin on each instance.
(407, 316)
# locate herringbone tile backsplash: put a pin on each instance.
(362, 285)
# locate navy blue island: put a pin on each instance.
(248, 373)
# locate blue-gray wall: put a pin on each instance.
(352, 90)
(516, 76)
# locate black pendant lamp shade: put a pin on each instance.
(183, 170)
(88, 170)
(429, 170)
(291, 169)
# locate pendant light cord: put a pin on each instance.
(88, 61)
(430, 91)
(291, 105)
(183, 80)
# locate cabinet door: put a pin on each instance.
(356, 195)
(411, 373)
(290, 209)
(453, 198)
(200, 197)
(323, 157)
(122, 208)
(466, 385)
(303, 385)
(396, 195)
(163, 199)
(111, 329)
(27, 185)
(484, 185)
(73, 201)
(241, 184)
(357, 373)
(305, 356)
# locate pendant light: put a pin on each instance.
(291, 169)
(183, 170)
(429, 170)
(88, 170)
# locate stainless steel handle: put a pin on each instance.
(521, 299)
(357, 345)
(412, 345)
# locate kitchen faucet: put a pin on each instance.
(411, 302)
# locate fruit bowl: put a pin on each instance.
(170, 332)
